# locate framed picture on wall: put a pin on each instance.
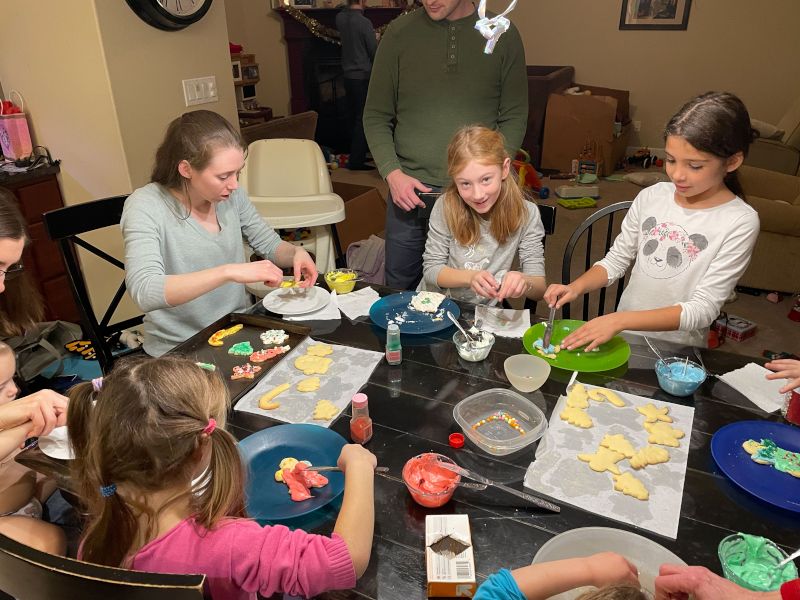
(303, 3)
(236, 66)
(655, 14)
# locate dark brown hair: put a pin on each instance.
(21, 304)
(194, 137)
(144, 434)
(717, 123)
(486, 146)
(622, 591)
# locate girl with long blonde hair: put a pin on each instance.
(480, 224)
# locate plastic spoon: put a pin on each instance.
(654, 349)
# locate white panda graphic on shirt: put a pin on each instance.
(667, 249)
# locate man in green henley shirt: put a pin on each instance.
(431, 77)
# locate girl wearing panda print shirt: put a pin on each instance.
(691, 239)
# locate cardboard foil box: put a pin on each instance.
(449, 559)
(365, 213)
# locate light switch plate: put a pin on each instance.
(200, 90)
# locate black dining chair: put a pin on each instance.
(28, 574)
(65, 225)
(608, 213)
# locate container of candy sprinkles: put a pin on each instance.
(500, 421)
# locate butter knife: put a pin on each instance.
(548, 332)
(541, 503)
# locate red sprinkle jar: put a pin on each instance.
(360, 422)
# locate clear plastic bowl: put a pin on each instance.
(734, 551)
(496, 436)
(525, 372)
(426, 498)
(671, 378)
(476, 354)
(342, 281)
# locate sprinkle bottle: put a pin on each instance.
(394, 351)
(360, 422)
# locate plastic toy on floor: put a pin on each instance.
(82, 347)
(527, 176)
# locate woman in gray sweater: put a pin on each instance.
(480, 224)
(184, 259)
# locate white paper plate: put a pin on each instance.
(296, 301)
(642, 552)
(56, 445)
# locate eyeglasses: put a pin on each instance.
(12, 271)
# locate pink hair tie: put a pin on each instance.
(97, 384)
(212, 425)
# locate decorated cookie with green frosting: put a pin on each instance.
(241, 349)
(766, 452)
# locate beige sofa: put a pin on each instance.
(776, 259)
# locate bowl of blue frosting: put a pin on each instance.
(679, 376)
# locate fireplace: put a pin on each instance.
(315, 72)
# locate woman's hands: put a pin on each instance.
(680, 582)
(253, 272)
(42, 412)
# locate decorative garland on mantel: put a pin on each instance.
(329, 34)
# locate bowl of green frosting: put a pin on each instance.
(750, 561)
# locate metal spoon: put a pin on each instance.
(462, 330)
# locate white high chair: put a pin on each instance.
(289, 184)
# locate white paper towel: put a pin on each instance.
(56, 445)
(751, 381)
(357, 304)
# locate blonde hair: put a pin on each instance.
(486, 146)
(622, 591)
(146, 433)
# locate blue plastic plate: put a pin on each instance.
(764, 482)
(262, 452)
(389, 308)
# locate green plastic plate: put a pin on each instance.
(610, 355)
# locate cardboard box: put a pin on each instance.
(573, 120)
(734, 328)
(449, 561)
(365, 213)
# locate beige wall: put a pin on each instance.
(747, 47)
(101, 86)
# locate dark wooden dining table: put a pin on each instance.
(411, 406)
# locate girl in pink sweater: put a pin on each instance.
(156, 425)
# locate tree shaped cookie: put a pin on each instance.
(603, 460)
(630, 486)
(663, 434)
(241, 349)
(604, 395)
(653, 414)
(649, 455)
(577, 417)
(313, 365)
(768, 453)
(618, 443)
(577, 396)
(319, 350)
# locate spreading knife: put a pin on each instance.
(535, 500)
(548, 332)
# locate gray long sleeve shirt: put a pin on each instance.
(160, 241)
(358, 43)
(442, 250)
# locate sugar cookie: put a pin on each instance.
(265, 402)
(216, 338)
(270, 353)
(272, 337)
(630, 486)
(577, 396)
(310, 384)
(649, 455)
(663, 434)
(653, 413)
(245, 371)
(427, 302)
(319, 350)
(325, 410)
(206, 366)
(313, 365)
(618, 443)
(603, 460)
(577, 417)
(768, 453)
(604, 395)
(241, 349)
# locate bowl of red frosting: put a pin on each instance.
(429, 483)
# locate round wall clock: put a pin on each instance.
(170, 15)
